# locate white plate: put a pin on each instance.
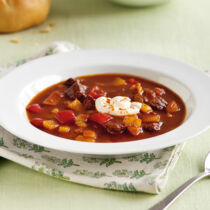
(18, 87)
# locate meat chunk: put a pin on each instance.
(114, 127)
(76, 90)
(89, 103)
(151, 127)
(156, 102)
(159, 91)
(69, 82)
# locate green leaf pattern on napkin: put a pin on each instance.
(2, 143)
(92, 174)
(19, 143)
(136, 174)
(60, 162)
(122, 187)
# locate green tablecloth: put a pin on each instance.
(180, 29)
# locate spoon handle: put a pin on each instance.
(164, 204)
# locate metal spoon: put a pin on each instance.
(164, 204)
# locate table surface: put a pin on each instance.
(179, 29)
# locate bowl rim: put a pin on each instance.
(180, 134)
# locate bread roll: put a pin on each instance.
(20, 14)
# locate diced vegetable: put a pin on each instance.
(34, 108)
(132, 121)
(135, 131)
(55, 110)
(146, 108)
(172, 107)
(63, 129)
(38, 122)
(83, 117)
(100, 118)
(150, 118)
(137, 123)
(137, 87)
(119, 81)
(78, 130)
(132, 81)
(81, 120)
(169, 115)
(133, 87)
(65, 116)
(89, 134)
(96, 92)
(81, 124)
(50, 124)
(82, 138)
(53, 99)
(128, 120)
(75, 105)
(159, 91)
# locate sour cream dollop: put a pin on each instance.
(117, 106)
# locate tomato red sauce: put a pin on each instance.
(67, 109)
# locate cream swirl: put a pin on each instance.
(117, 106)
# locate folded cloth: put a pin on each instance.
(147, 172)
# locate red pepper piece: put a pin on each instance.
(96, 92)
(100, 118)
(37, 122)
(132, 81)
(34, 108)
(65, 116)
